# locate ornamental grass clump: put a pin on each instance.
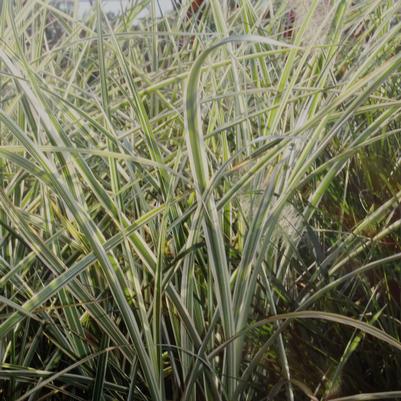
(201, 205)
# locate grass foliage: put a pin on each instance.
(203, 205)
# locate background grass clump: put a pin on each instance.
(203, 205)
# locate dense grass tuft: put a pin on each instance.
(203, 205)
